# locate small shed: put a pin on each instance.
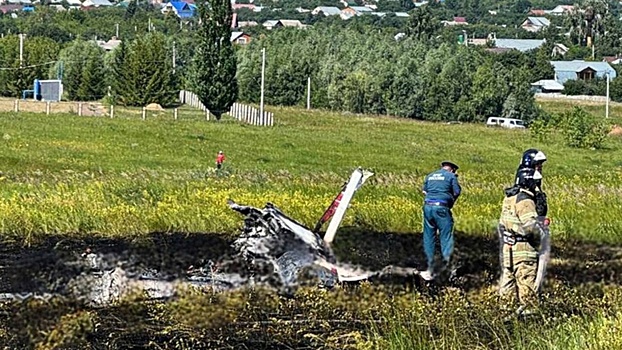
(547, 86)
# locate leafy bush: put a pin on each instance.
(579, 128)
(582, 130)
(596, 87)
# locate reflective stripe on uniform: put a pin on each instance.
(528, 216)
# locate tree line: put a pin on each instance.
(372, 72)
(358, 68)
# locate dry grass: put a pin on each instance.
(88, 108)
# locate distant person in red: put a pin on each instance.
(220, 158)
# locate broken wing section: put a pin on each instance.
(545, 252)
(339, 206)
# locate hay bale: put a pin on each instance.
(616, 130)
(154, 107)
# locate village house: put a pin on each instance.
(456, 21)
(96, 3)
(613, 59)
(240, 38)
(110, 44)
(559, 50)
(180, 8)
(547, 86)
(561, 10)
(535, 24)
(242, 24)
(326, 11)
(352, 11)
(581, 70)
(271, 24)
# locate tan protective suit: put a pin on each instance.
(520, 248)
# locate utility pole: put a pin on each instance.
(174, 57)
(117, 31)
(309, 93)
(607, 104)
(263, 70)
(21, 50)
(150, 24)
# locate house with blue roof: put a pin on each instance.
(581, 70)
(180, 8)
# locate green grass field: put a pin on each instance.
(126, 178)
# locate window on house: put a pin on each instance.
(241, 40)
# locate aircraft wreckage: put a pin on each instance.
(272, 250)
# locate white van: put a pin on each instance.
(506, 123)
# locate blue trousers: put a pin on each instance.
(437, 218)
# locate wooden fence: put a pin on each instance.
(48, 107)
(241, 112)
(251, 115)
(193, 100)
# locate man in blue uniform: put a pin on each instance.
(441, 189)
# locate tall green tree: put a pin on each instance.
(422, 24)
(118, 77)
(213, 71)
(83, 71)
(490, 90)
(147, 73)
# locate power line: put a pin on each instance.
(31, 66)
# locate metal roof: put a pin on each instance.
(329, 10)
(547, 84)
(579, 65)
(539, 21)
(519, 44)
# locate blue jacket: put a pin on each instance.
(442, 186)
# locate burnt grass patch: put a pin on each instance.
(45, 266)
(247, 320)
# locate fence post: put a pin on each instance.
(80, 109)
(111, 111)
(144, 113)
(16, 106)
(47, 108)
(206, 114)
(175, 113)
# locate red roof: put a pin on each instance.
(243, 6)
(537, 12)
(460, 19)
(610, 59)
(10, 8)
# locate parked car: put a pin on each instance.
(506, 123)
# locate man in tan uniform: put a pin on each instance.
(521, 232)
